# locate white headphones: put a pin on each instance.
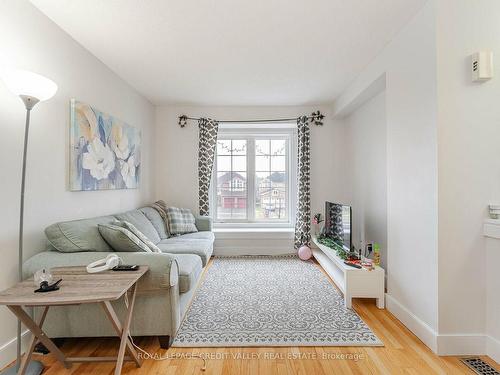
(111, 261)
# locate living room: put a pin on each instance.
(220, 147)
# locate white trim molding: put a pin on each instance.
(421, 329)
(444, 344)
(493, 348)
(8, 351)
(352, 103)
(461, 344)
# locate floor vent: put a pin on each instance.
(479, 366)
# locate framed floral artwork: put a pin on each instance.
(105, 151)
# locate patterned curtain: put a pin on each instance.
(206, 154)
(303, 215)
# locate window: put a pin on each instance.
(253, 170)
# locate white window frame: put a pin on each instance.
(250, 134)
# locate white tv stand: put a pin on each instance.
(352, 282)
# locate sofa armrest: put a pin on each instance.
(163, 269)
(203, 223)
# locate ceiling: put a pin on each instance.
(234, 52)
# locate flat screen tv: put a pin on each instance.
(338, 224)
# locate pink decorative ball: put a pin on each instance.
(305, 252)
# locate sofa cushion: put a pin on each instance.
(189, 271)
(141, 222)
(179, 245)
(78, 235)
(180, 221)
(155, 218)
(122, 239)
(209, 236)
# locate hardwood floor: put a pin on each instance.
(403, 353)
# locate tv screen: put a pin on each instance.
(338, 224)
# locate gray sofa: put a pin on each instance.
(164, 293)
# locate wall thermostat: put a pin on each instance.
(482, 66)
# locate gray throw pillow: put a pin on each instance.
(180, 221)
(131, 227)
(121, 239)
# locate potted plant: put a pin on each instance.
(317, 220)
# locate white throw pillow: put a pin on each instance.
(131, 227)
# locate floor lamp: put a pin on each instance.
(31, 88)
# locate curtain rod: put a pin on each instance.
(316, 118)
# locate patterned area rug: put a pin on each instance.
(270, 301)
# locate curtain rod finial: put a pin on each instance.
(317, 118)
(182, 121)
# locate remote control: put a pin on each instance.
(353, 265)
(125, 267)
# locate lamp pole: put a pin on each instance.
(35, 367)
(31, 88)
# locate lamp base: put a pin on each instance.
(34, 368)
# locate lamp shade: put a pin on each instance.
(22, 82)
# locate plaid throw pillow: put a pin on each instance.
(180, 221)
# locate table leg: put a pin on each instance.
(39, 334)
(348, 301)
(123, 332)
(29, 351)
(110, 312)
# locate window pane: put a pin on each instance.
(231, 206)
(223, 179)
(239, 163)
(278, 163)
(238, 183)
(271, 184)
(278, 147)
(239, 210)
(224, 147)
(262, 179)
(231, 175)
(278, 179)
(223, 212)
(275, 204)
(223, 163)
(239, 147)
(262, 147)
(262, 163)
(263, 185)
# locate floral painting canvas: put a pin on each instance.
(105, 152)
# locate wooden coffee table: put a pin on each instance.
(77, 287)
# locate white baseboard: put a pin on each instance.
(493, 348)
(444, 344)
(8, 351)
(461, 344)
(421, 329)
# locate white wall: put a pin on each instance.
(440, 124)
(29, 40)
(177, 150)
(469, 177)
(366, 150)
(409, 66)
